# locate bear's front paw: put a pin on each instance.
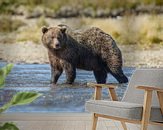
(69, 82)
(53, 82)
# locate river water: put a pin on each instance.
(56, 98)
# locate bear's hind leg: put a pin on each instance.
(119, 75)
(100, 76)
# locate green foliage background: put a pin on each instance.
(5, 5)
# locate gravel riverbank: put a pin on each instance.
(133, 56)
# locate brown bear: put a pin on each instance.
(92, 50)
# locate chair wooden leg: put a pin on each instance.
(113, 94)
(94, 122)
(160, 98)
(124, 125)
(146, 110)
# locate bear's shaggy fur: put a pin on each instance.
(92, 50)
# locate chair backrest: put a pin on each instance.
(146, 77)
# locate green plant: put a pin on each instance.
(3, 74)
(21, 98)
(9, 126)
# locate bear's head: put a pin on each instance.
(54, 38)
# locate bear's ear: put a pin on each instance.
(63, 29)
(44, 29)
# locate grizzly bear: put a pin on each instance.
(92, 50)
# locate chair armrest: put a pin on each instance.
(111, 85)
(149, 88)
(98, 90)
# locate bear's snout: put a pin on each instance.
(56, 44)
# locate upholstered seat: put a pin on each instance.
(131, 111)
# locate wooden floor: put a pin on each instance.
(58, 121)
